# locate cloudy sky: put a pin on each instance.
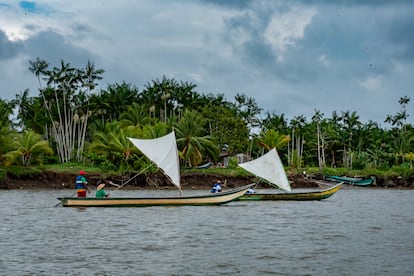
(291, 56)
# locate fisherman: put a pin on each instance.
(216, 187)
(82, 184)
(100, 192)
(250, 191)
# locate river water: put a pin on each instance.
(357, 231)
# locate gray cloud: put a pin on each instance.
(398, 33)
(53, 48)
(8, 49)
(291, 56)
(238, 4)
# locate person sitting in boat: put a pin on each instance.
(100, 192)
(250, 191)
(82, 184)
(216, 187)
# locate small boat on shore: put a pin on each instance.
(351, 180)
(205, 166)
(162, 152)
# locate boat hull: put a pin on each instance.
(205, 166)
(298, 196)
(210, 199)
(351, 181)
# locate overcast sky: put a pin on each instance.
(292, 56)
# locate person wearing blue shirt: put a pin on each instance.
(250, 191)
(81, 184)
(216, 187)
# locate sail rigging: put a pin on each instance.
(269, 167)
(163, 152)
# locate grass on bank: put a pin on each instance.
(74, 168)
(395, 171)
(23, 172)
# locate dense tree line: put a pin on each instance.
(71, 120)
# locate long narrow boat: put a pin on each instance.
(209, 199)
(270, 168)
(298, 196)
(163, 152)
(351, 180)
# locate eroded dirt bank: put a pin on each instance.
(201, 180)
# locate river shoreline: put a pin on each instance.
(189, 181)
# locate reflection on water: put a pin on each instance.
(355, 232)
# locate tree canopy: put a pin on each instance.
(83, 123)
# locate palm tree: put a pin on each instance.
(298, 139)
(317, 117)
(274, 121)
(273, 139)
(248, 110)
(154, 131)
(192, 142)
(404, 101)
(38, 67)
(185, 96)
(6, 139)
(332, 137)
(351, 125)
(67, 104)
(6, 131)
(29, 148)
(165, 98)
(136, 115)
(113, 144)
(402, 138)
(117, 98)
(88, 76)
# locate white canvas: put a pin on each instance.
(269, 167)
(163, 152)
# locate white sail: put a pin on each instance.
(163, 152)
(269, 167)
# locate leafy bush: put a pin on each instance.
(335, 171)
(403, 170)
(50, 159)
(233, 162)
(3, 173)
(101, 161)
(24, 172)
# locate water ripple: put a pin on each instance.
(355, 232)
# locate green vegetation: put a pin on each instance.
(71, 124)
(20, 172)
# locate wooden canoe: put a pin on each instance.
(209, 199)
(299, 196)
(351, 180)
